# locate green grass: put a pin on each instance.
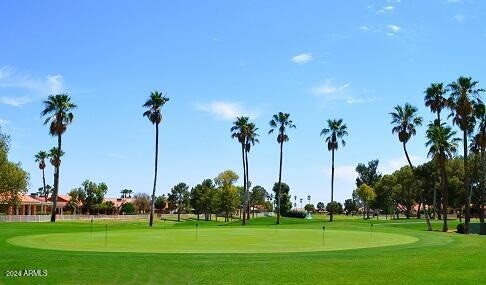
(142, 255)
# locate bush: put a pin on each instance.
(295, 214)
(128, 208)
(460, 228)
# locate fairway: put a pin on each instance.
(212, 240)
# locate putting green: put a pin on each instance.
(211, 240)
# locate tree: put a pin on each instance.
(245, 133)
(13, 179)
(94, 194)
(40, 158)
(367, 195)
(349, 206)
(320, 207)
(58, 109)
(160, 202)
(368, 174)
(142, 202)
(227, 193)
(128, 208)
(404, 120)
(126, 193)
(78, 198)
(281, 122)
(154, 114)
(442, 146)
(334, 207)
(387, 189)
(334, 132)
(436, 101)
(45, 191)
(179, 198)
(282, 191)
(309, 208)
(480, 138)
(463, 91)
(257, 197)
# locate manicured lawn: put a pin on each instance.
(256, 254)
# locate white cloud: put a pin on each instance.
(394, 28)
(15, 101)
(3, 122)
(224, 110)
(54, 83)
(384, 9)
(15, 81)
(460, 18)
(364, 28)
(396, 163)
(353, 100)
(302, 58)
(328, 88)
(344, 173)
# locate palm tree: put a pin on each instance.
(55, 155)
(442, 146)
(436, 101)
(44, 191)
(40, 157)
(281, 122)
(301, 203)
(463, 91)
(335, 131)
(251, 139)
(404, 120)
(295, 203)
(239, 131)
(155, 101)
(58, 109)
(480, 139)
(308, 198)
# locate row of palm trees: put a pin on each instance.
(467, 111)
(245, 132)
(58, 115)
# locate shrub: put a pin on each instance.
(295, 214)
(460, 228)
(128, 208)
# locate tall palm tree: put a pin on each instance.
(334, 132)
(480, 139)
(55, 155)
(281, 123)
(40, 158)
(435, 99)
(58, 109)
(154, 103)
(404, 120)
(239, 131)
(250, 140)
(442, 146)
(463, 92)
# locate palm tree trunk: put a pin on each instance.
(482, 226)
(280, 181)
(429, 226)
(44, 183)
(332, 186)
(247, 188)
(152, 204)
(56, 183)
(244, 183)
(445, 196)
(467, 191)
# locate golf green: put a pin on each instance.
(212, 240)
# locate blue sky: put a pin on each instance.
(215, 60)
